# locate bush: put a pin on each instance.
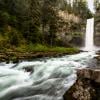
(4, 17)
(14, 37)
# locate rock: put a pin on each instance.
(77, 40)
(81, 90)
(96, 40)
(29, 69)
(92, 74)
(87, 86)
(19, 56)
(97, 27)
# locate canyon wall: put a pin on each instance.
(97, 27)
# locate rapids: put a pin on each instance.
(49, 80)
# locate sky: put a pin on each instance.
(91, 5)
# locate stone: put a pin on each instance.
(92, 74)
(87, 86)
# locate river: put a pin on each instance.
(47, 79)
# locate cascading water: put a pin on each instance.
(89, 39)
(49, 79)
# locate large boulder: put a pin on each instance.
(87, 86)
(91, 74)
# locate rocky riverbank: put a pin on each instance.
(87, 86)
(16, 56)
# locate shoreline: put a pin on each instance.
(16, 56)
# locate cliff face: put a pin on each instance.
(97, 27)
(74, 23)
(70, 28)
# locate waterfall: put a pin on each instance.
(89, 37)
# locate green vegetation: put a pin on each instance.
(43, 48)
(25, 23)
(31, 51)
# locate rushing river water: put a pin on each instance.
(49, 79)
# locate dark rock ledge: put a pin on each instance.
(87, 86)
(17, 56)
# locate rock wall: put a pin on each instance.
(97, 27)
(71, 30)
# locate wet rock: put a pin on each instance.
(96, 40)
(80, 91)
(87, 86)
(92, 74)
(19, 56)
(29, 69)
(77, 40)
(98, 58)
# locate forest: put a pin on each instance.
(40, 24)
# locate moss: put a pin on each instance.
(28, 52)
(44, 48)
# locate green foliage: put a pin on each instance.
(4, 18)
(80, 8)
(43, 48)
(36, 21)
(3, 43)
(14, 38)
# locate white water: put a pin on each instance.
(49, 81)
(89, 37)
